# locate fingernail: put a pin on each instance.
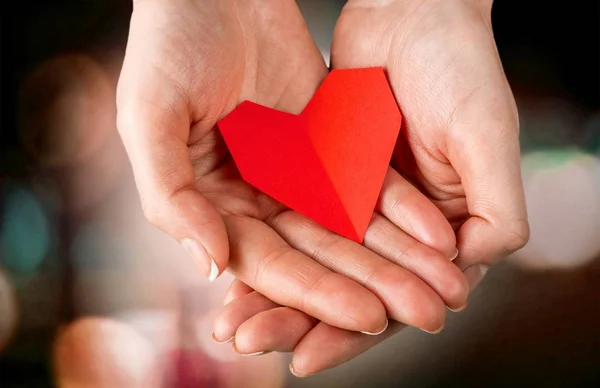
(222, 342)
(461, 308)
(475, 274)
(296, 373)
(254, 354)
(455, 255)
(235, 349)
(378, 332)
(435, 331)
(198, 253)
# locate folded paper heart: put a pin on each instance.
(328, 163)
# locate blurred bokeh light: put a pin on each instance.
(65, 110)
(562, 188)
(97, 246)
(25, 234)
(591, 134)
(89, 185)
(548, 122)
(100, 352)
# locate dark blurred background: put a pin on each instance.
(73, 244)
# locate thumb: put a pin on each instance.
(486, 155)
(154, 125)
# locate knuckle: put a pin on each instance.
(372, 279)
(393, 201)
(325, 245)
(314, 289)
(262, 274)
(399, 209)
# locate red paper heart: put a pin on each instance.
(329, 162)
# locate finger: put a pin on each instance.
(325, 347)
(279, 329)
(442, 275)
(410, 210)
(237, 312)
(264, 261)
(236, 290)
(154, 124)
(406, 297)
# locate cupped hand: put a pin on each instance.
(461, 144)
(460, 147)
(187, 65)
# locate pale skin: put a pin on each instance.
(302, 288)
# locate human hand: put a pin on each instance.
(460, 147)
(188, 64)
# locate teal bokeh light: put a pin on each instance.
(553, 158)
(25, 237)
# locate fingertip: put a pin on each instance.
(436, 331)
(375, 320)
(244, 343)
(236, 290)
(242, 352)
(214, 270)
(203, 223)
(354, 309)
(212, 234)
(434, 230)
(456, 291)
(459, 309)
(441, 237)
(410, 300)
(426, 313)
(222, 330)
(219, 341)
(302, 366)
(379, 331)
(229, 319)
(452, 285)
(191, 219)
(296, 372)
(435, 322)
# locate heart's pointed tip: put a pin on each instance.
(354, 234)
(359, 235)
(351, 235)
(359, 239)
